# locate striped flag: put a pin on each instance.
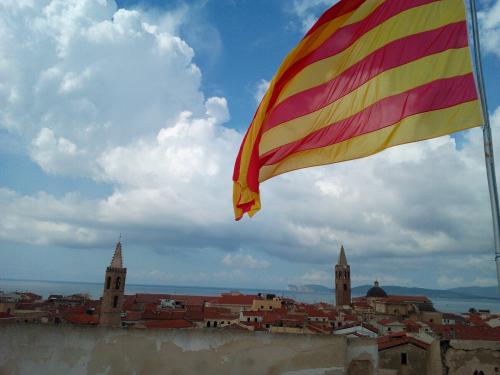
(369, 75)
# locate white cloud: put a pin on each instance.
(91, 76)
(240, 260)
(316, 277)
(308, 11)
(450, 282)
(489, 23)
(260, 90)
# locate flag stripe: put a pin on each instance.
(249, 147)
(390, 56)
(368, 75)
(411, 129)
(346, 36)
(313, 41)
(391, 82)
(416, 20)
(335, 11)
(435, 95)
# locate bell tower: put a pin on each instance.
(342, 280)
(114, 286)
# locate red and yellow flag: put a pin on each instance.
(369, 75)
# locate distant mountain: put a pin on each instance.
(310, 288)
(472, 292)
(460, 293)
(484, 291)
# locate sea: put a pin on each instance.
(45, 288)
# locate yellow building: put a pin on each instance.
(267, 302)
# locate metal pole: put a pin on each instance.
(488, 141)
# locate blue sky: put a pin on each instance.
(126, 117)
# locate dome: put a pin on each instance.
(376, 291)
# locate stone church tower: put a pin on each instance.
(342, 280)
(114, 286)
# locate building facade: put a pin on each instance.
(114, 287)
(342, 280)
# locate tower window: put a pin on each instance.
(108, 282)
(118, 282)
(115, 301)
(345, 287)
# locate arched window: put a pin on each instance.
(108, 282)
(118, 282)
(345, 287)
(115, 301)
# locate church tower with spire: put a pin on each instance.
(114, 286)
(342, 280)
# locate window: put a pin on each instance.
(118, 283)
(345, 287)
(208, 324)
(404, 358)
(389, 329)
(115, 301)
(215, 324)
(248, 319)
(108, 282)
(255, 319)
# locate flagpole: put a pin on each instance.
(488, 141)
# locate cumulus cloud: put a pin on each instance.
(317, 277)
(450, 282)
(489, 22)
(260, 89)
(81, 77)
(240, 260)
(308, 11)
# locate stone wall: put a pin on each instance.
(463, 357)
(39, 349)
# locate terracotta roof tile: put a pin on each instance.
(391, 341)
(172, 323)
(238, 299)
(84, 319)
(219, 313)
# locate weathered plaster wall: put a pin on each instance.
(463, 357)
(417, 360)
(38, 349)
